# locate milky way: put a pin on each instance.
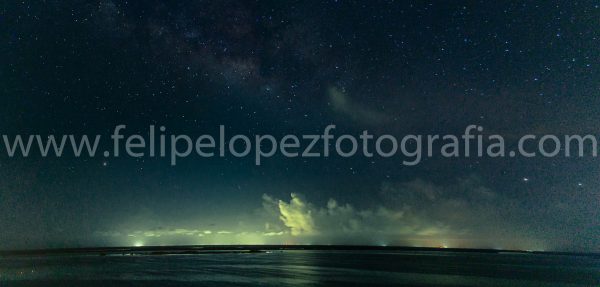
(276, 68)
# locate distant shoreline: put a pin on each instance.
(211, 249)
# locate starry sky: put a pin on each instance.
(294, 67)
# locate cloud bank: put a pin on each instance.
(463, 213)
(415, 213)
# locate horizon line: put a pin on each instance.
(214, 248)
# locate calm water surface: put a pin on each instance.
(304, 268)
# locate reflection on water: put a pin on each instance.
(304, 268)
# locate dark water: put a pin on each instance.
(304, 268)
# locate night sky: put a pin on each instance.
(290, 67)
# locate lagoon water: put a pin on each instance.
(304, 268)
